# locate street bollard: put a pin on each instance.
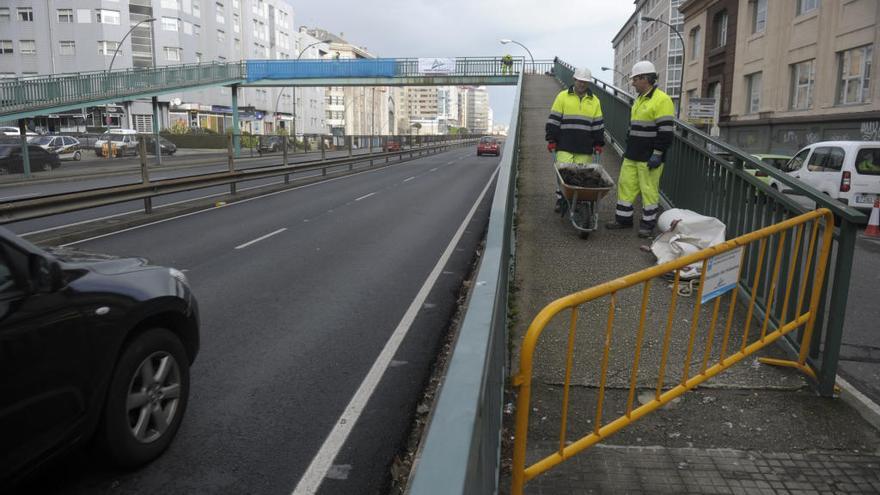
(230, 155)
(145, 173)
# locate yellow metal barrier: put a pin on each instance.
(811, 271)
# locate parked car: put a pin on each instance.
(66, 147)
(13, 131)
(92, 347)
(121, 141)
(11, 161)
(488, 146)
(166, 147)
(391, 145)
(775, 161)
(848, 171)
(273, 144)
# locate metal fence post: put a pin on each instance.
(145, 173)
(348, 144)
(25, 153)
(323, 148)
(846, 243)
(284, 155)
(230, 156)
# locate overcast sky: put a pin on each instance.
(578, 32)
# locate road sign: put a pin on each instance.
(722, 274)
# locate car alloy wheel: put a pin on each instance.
(77, 156)
(4, 170)
(146, 399)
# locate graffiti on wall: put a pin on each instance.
(871, 130)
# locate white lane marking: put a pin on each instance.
(433, 169)
(365, 196)
(258, 239)
(320, 466)
(20, 196)
(409, 179)
(206, 210)
(450, 162)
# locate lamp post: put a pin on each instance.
(151, 19)
(618, 72)
(680, 77)
(505, 41)
(293, 88)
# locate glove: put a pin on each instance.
(551, 146)
(655, 161)
(597, 149)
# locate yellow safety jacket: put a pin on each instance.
(575, 123)
(651, 125)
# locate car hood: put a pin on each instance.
(105, 264)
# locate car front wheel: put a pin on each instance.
(77, 156)
(146, 399)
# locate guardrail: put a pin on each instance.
(52, 91)
(461, 448)
(779, 249)
(25, 209)
(697, 178)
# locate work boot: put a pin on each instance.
(644, 234)
(617, 226)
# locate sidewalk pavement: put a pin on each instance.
(752, 429)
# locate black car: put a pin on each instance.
(11, 161)
(273, 143)
(166, 147)
(92, 347)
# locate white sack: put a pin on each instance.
(685, 232)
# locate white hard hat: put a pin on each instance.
(641, 68)
(583, 74)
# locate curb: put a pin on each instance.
(866, 408)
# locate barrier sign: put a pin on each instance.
(722, 274)
(436, 65)
(701, 110)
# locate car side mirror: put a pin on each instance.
(46, 274)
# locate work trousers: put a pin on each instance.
(636, 178)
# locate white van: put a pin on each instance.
(124, 142)
(848, 171)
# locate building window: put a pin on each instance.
(26, 14)
(67, 48)
(170, 4)
(804, 6)
(107, 16)
(236, 5)
(5, 46)
(802, 75)
(719, 25)
(198, 58)
(27, 47)
(65, 15)
(197, 30)
(172, 53)
(197, 8)
(854, 75)
(169, 24)
(221, 36)
(187, 27)
(4, 14)
(753, 81)
(759, 16)
(221, 17)
(107, 47)
(695, 43)
(236, 23)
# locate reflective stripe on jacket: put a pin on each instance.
(575, 123)
(651, 126)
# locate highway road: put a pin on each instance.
(322, 311)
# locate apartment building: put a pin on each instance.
(639, 39)
(794, 71)
(61, 36)
(474, 105)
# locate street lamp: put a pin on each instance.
(617, 71)
(151, 19)
(680, 77)
(293, 123)
(505, 41)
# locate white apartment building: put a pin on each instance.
(63, 36)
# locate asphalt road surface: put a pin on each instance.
(301, 292)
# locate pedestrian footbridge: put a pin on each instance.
(31, 96)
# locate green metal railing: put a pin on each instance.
(52, 91)
(696, 177)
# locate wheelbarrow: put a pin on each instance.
(579, 203)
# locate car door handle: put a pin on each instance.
(103, 310)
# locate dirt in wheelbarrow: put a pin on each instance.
(583, 177)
